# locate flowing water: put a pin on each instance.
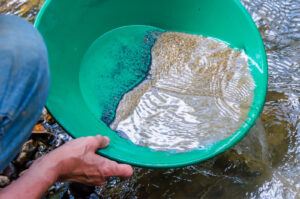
(197, 83)
(266, 164)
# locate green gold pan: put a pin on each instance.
(79, 35)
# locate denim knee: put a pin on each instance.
(23, 64)
(24, 82)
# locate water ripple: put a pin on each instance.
(199, 91)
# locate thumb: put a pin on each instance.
(98, 142)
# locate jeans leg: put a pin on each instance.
(24, 80)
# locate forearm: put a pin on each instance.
(74, 161)
(34, 182)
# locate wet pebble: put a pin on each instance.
(27, 151)
(10, 171)
(39, 128)
(94, 196)
(79, 190)
(29, 163)
(4, 181)
(48, 118)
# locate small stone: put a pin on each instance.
(42, 146)
(43, 138)
(39, 128)
(27, 151)
(38, 154)
(4, 181)
(41, 119)
(51, 189)
(20, 174)
(10, 171)
(81, 190)
(29, 163)
(49, 119)
(93, 196)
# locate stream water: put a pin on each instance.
(266, 164)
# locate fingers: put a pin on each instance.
(112, 168)
(124, 170)
(98, 142)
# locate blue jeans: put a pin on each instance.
(24, 81)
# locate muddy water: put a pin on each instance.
(266, 164)
(200, 84)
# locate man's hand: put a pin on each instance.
(77, 161)
(74, 161)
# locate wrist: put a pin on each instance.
(35, 181)
(46, 168)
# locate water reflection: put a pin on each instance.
(266, 163)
